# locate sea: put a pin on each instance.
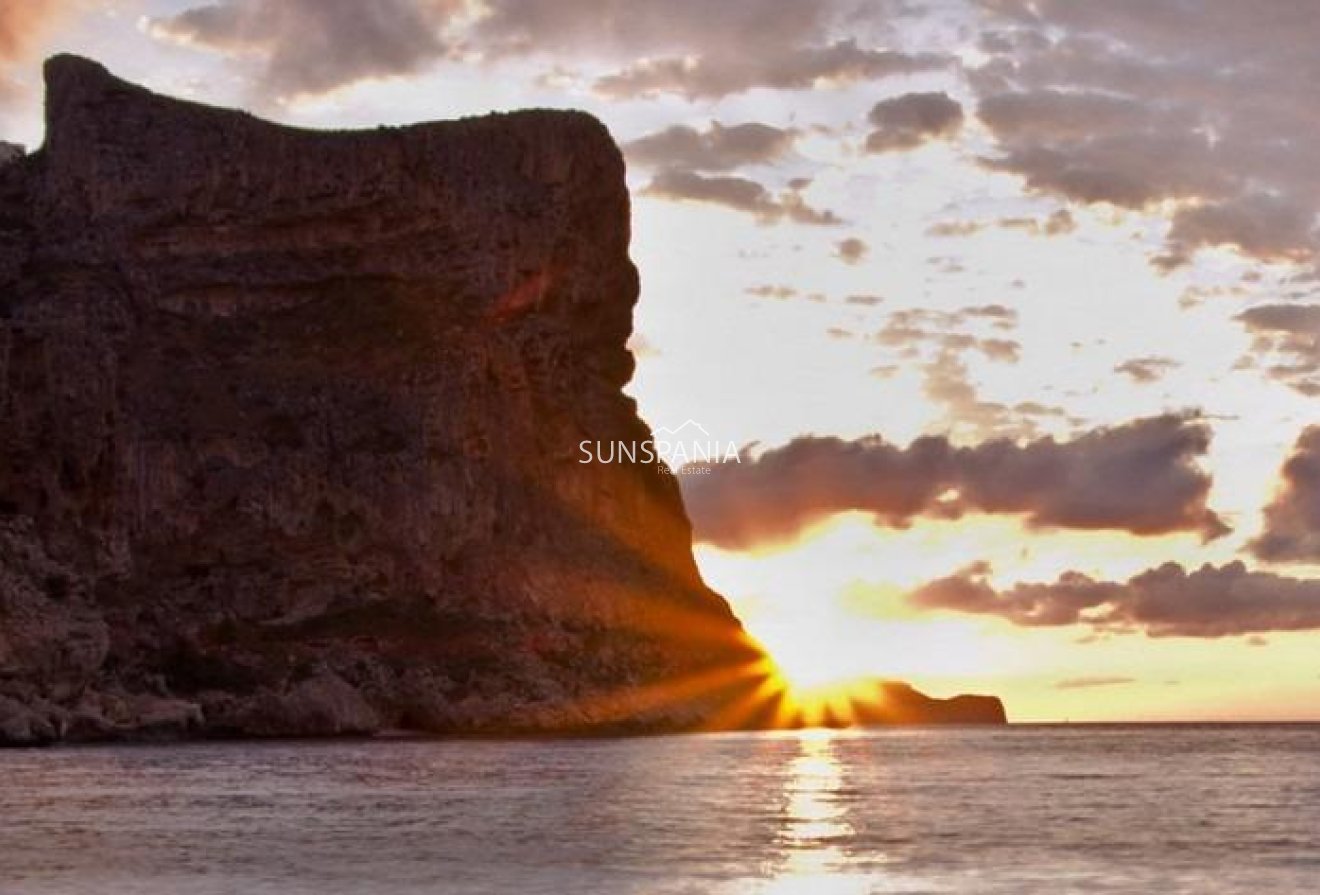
(1019, 809)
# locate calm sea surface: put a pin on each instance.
(1017, 810)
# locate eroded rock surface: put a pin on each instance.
(289, 426)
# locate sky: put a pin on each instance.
(1012, 307)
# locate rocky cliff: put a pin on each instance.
(289, 426)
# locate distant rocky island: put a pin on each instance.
(288, 438)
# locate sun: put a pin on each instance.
(810, 660)
(821, 682)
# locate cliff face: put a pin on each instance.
(289, 426)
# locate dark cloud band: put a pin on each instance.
(1142, 478)
(1168, 601)
(1292, 520)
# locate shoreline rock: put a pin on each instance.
(288, 435)
(288, 429)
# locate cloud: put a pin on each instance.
(1145, 370)
(938, 343)
(1264, 227)
(311, 47)
(908, 326)
(1167, 601)
(1058, 223)
(1141, 478)
(1287, 340)
(946, 264)
(696, 49)
(1292, 519)
(1004, 317)
(780, 292)
(1083, 683)
(1105, 102)
(632, 28)
(719, 148)
(908, 121)
(947, 381)
(771, 291)
(954, 228)
(851, 250)
(1056, 142)
(799, 68)
(738, 194)
(1029, 605)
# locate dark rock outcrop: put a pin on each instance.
(899, 703)
(288, 436)
(289, 426)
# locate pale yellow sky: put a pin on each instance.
(1062, 210)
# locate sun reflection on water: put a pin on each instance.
(816, 829)
(816, 818)
(817, 844)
